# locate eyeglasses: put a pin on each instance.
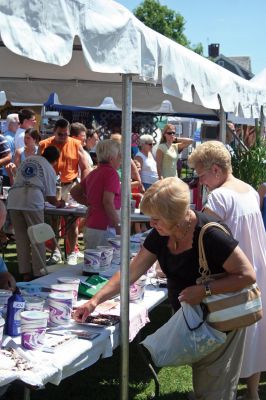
(170, 133)
(150, 144)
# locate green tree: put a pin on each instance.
(165, 21)
(249, 165)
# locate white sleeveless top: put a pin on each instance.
(148, 172)
(241, 213)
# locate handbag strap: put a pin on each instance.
(200, 323)
(203, 263)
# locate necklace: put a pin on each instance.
(176, 242)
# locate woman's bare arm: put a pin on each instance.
(159, 162)
(138, 266)
(240, 274)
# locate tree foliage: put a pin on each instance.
(165, 21)
(249, 166)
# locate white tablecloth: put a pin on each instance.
(80, 353)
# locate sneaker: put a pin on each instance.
(79, 254)
(72, 259)
(54, 259)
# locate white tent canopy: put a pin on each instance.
(259, 80)
(113, 42)
(25, 80)
(3, 100)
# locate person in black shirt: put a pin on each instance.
(174, 243)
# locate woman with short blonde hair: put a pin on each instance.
(148, 170)
(107, 149)
(210, 153)
(237, 204)
(101, 192)
(161, 199)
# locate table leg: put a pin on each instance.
(152, 370)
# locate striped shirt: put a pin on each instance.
(4, 146)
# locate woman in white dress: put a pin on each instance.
(262, 194)
(237, 204)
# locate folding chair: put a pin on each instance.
(38, 234)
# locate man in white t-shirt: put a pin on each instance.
(27, 120)
(35, 182)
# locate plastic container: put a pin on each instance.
(116, 244)
(34, 303)
(61, 288)
(60, 307)
(33, 328)
(137, 289)
(4, 296)
(73, 283)
(106, 257)
(92, 261)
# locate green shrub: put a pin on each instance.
(250, 165)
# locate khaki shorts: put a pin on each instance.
(94, 237)
(65, 190)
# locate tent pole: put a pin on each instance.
(261, 122)
(125, 233)
(222, 117)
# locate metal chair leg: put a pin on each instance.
(148, 362)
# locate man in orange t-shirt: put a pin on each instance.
(72, 159)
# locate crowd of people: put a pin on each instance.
(32, 169)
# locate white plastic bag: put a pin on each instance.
(184, 339)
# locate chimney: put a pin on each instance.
(213, 50)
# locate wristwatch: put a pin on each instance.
(207, 288)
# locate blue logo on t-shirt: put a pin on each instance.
(29, 170)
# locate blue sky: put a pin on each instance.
(237, 25)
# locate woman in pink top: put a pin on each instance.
(101, 192)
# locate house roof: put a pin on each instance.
(243, 61)
(238, 65)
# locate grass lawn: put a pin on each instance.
(101, 381)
